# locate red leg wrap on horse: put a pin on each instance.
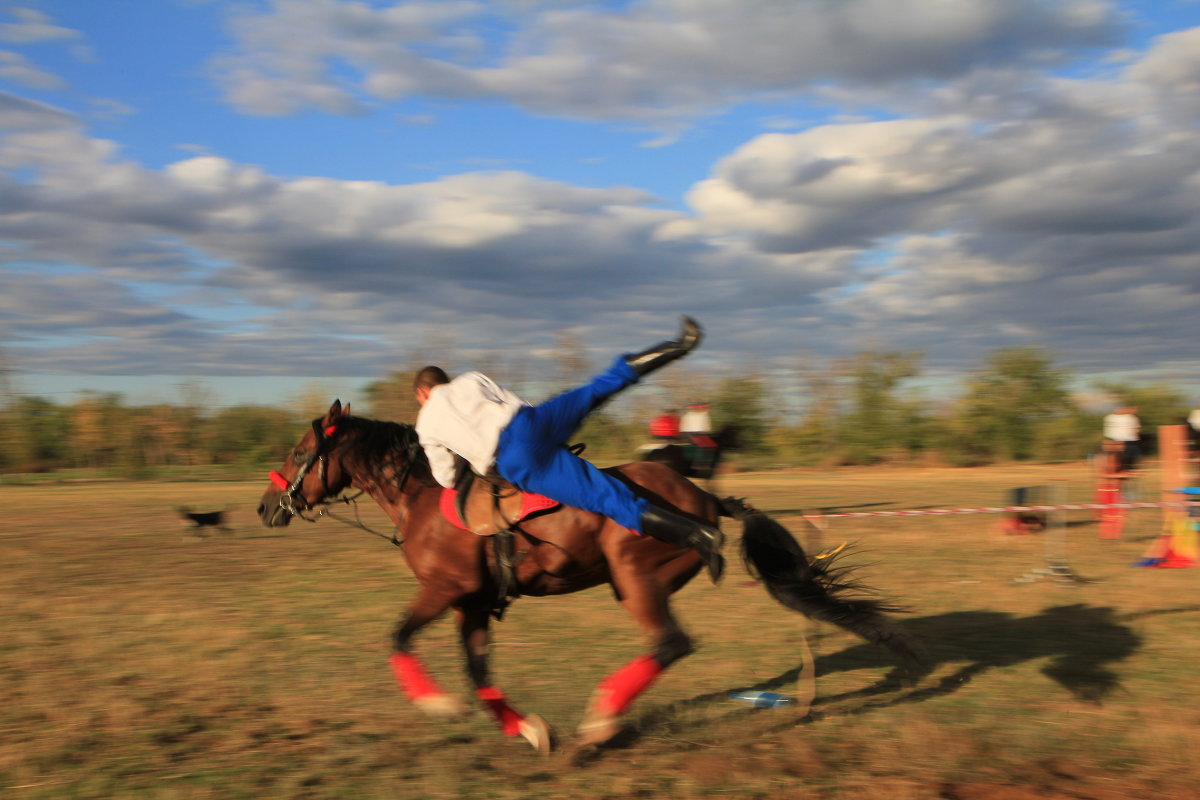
(411, 675)
(621, 688)
(509, 719)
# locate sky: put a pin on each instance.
(261, 194)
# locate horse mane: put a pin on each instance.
(385, 447)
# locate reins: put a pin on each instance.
(352, 500)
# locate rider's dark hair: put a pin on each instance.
(429, 377)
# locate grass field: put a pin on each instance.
(139, 660)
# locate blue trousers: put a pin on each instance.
(532, 453)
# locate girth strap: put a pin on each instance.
(505, 572)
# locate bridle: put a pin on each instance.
(291, 491)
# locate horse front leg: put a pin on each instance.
(411, 676)
(474, 625)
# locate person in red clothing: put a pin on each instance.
(665, 426)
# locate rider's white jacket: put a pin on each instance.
(464, 417)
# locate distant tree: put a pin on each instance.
(312, 400)
(878, 422)
(571, 363)
(194, 413)
(742, 401)
(96, 430)
(36, 436)
(1016, 393)
(161, 435)
(391, 398)
(251, 436)
(608, 438)
(823, 392)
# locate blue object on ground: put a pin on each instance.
(763, 699)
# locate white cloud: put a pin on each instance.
(29, 25)
(656, 62)
(19, 70)
(1001, 206)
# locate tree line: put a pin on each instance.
(1017, 405)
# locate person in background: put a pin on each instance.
(696, 428)
(1122, 431)
(665, 426)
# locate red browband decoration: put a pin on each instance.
(281, 481)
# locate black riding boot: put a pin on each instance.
(664, 353)
(681, 531)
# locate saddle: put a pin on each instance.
(488, 505)
(491, 506)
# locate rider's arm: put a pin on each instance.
(441, 463)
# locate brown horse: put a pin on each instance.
(559, 552)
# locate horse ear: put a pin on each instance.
(335, 411)
(346, 411)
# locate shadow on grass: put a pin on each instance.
(1081, 641)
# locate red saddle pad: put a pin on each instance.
(530, 504)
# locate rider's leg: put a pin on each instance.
(664, 353)
(559, 417)
(553, 421)
(554, 471)
(537, 465)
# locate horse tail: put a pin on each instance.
(820, 589)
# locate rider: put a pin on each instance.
(665, 427)
(490, 427)
(696, 427)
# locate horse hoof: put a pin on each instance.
(535, 731)
(442, 706)
(598, 730)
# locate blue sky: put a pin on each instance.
(265, 195)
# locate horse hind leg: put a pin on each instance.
(474, 630)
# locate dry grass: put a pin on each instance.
(142, 661)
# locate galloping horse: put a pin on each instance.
(558, 552)
(683, 458)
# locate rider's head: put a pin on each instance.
(426, 379)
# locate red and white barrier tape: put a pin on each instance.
(934, 512)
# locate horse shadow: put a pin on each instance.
(1081, 642)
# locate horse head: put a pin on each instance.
(298, 487)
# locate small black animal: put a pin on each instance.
(198, 520)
